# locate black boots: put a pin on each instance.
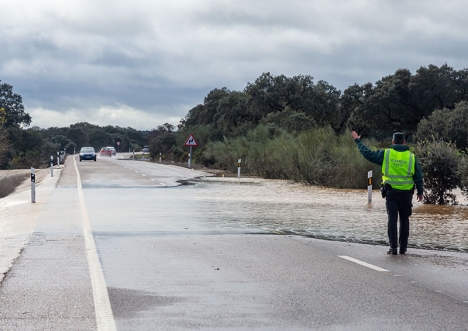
(392, 251)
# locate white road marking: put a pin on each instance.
(163, 184)
(143, 175)
(362, 263)
(104, 317)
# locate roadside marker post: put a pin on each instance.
(369, 186)
(58, 158)
(238, 167)
(159, 157)
(33, 185)
(51, 166)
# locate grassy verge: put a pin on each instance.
(9, 183)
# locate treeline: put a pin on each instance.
(32, 147)
(295, 128)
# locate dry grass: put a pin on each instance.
(9, 183)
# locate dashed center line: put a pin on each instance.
(365, 264)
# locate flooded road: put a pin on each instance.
(230, 205)
(342, 215)
(132, 249)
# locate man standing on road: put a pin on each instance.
(400, 174)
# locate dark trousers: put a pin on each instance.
(399, 203)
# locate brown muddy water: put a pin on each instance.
(343, 215)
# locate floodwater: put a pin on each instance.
(344, 215)
(229, 205)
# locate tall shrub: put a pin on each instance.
(439, 163)
(463, 174)
(351, 168)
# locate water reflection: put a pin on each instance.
(331, 214)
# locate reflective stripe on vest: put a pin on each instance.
(398, 169)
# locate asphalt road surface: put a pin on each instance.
(119, 244)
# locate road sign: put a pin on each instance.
(191, 141)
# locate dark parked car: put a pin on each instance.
(87, 153)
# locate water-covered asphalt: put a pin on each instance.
(343, 215)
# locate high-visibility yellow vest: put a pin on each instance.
(398, 169)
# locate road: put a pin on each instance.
(126, 247)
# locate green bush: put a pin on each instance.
(463, 173)
(439, 161)
(316, 157)
(351, 167)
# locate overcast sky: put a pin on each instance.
(142, 63)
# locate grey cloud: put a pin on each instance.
(165, 56)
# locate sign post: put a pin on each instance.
(190, 142)
(238, 167)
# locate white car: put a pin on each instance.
(112, 149)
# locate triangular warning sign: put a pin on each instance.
(191, 141)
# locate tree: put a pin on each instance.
(323, 105)
(437, 88)
(447, 125)
(78, 136)
(386, 108)
(463, 174)
(352, 99)
(289, 121)
(99, 138)
(193, 117)
(13, 114)
(61, 141)
(4, 147)
(161, 140)
(233, 116)
(439, 163)
(271, 94)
